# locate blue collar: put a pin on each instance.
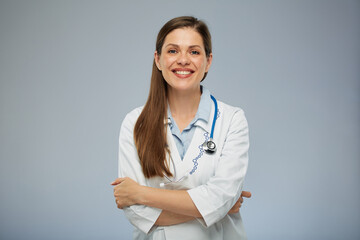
(204, 109)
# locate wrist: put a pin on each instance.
(140, 196)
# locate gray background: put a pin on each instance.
(71, 70)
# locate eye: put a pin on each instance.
(172, 51)
(194, 52)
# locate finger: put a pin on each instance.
(241, 200)
(246, 194)
(118, 204)
(238, 206)
(117, 181)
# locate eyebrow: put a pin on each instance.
(175, 45)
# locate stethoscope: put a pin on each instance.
(209, 145)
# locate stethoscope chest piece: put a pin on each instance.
(209, 146)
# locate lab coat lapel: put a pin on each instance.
(175, 161)
(195, 152)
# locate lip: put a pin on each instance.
(182, 72)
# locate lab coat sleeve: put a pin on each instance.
(215, 198)
(142, 217)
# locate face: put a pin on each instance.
(183, 61)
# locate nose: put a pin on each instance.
(183, 59)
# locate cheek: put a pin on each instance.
(201, 64)
(167, 61)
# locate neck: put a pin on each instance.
(184, 104)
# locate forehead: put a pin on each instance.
(184, 37)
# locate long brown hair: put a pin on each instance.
(150, 128)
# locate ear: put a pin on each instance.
(157, 60)
(208, 62)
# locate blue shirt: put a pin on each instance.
(183, 139)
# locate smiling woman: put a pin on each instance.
(183, 61)
(183, 64)
(169, 185)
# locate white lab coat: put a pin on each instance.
(214, 187)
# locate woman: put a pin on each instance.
(174, 183)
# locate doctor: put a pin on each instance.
(184, 155)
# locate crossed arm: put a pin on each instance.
(177, 205)
(169, 207)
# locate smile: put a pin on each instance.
(182, 72)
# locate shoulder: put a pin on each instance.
(230, 111)
(232, 117)
(133, 115)
(234, 122)
(130, 119)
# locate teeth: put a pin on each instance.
(182, 72)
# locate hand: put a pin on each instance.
(237, 205)
(125, 192)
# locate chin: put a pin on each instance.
(185, 86)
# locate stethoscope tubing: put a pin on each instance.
(215, 117)
(209, 146)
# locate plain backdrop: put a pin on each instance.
(71, 70)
